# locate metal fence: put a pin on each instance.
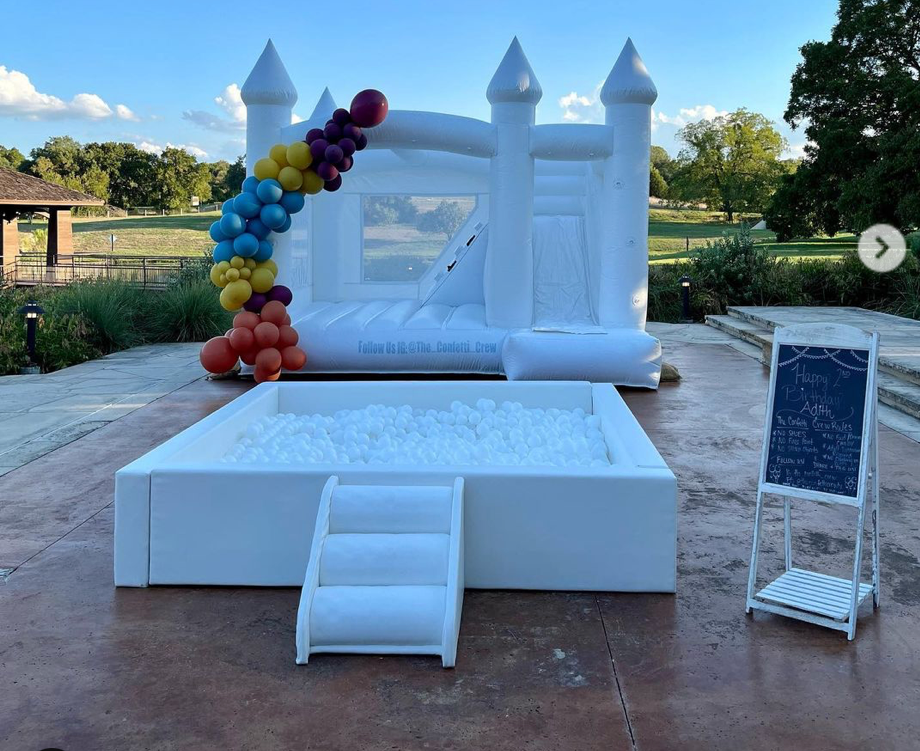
(148, 272)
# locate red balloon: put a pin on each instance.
(246, 320)
(274, 312)
(287, 320)
(228, 332)
(287, 336)
(249, 357)
(369, 108)
(262, 376)
(217, 356)
(268, 360)
(266, 335)
(293, 358)
(242, 339)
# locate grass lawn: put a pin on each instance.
(187, 235)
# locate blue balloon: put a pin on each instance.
(265, 251)
(227, 206)
(223, 251)
(286, 226)
(247, 205)
(292, 201)
(246, 245)
(257, 228)
(272, 215)
(232, 224)
(250, 184)
(269, 191)
(216, 233)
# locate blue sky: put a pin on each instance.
(168, 73)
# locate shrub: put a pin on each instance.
(734, 268)
(188, 312)
(114, 311)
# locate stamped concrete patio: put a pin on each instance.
(86, 666)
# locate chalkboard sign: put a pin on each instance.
(817, 419)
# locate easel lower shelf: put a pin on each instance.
(812, 592)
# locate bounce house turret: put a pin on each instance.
(269, 96)
(627, 95)
(324, 106)
(513, 92)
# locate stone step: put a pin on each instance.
(906, 368)
(895, 387)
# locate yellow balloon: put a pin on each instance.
(298, 155)
(223, 280)
(278, 153)
(250, 263)
(215, 275)
(290, 178)
(266, 169)
(312, 183)
(237, 262)
(262, 280)
(235, 294)
(270, 265)
(245, 272)
(223, 266)
(232, 275)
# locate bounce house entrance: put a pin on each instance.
(561, 301)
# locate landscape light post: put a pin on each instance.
(32, 311)
(685, 316)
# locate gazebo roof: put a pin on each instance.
(18, 189)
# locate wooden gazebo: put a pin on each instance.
(23, 194)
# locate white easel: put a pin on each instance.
(806, 595)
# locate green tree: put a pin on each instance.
(446, 217)
(657, 187)
(233, 180)
(730, 163)
(858, 98)
(389, 210)
(661, 161)
(11, 157)
(179, 176)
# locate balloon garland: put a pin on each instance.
(243, 268)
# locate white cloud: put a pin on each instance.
(687, 115)
(151, 147)
(581, 108)
(231, 102)
(123, 112)
(20, 98)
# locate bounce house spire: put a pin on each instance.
(514, 81)
(269, 82)
(324, 107)
(629, 81)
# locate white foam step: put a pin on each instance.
(366, 616)
(393, 509)
(385, 573)
(384, 559)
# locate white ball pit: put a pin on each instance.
(184, 516)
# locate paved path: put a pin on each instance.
(85, 665)
(39, 413)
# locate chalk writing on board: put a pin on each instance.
(816, 424)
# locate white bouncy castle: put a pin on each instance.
(547, 278)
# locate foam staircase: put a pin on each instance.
(385, 574)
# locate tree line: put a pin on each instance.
(123, 175)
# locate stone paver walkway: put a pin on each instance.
(39, 413)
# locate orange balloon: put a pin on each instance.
(242, 339)
(265, 375)
(287, 337)
(249, 357)
(274, 312)
(268, 360)
(266, 334)
(246, 320)
(217, 356)
(293, 358)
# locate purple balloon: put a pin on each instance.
(341, 117)
(346, 164)
(281, 293)
(313, 134)
(326, 171)
(334, 184)
(351, 131)
(318, 148)
(347, 146)
(361, 143)
(332, 132)
(334, 154)
(256, 302)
